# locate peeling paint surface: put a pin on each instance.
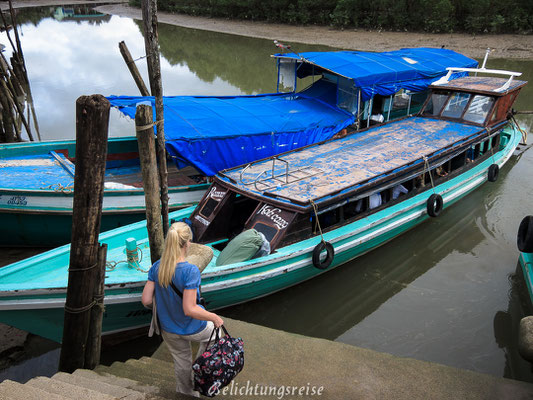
(324, 169)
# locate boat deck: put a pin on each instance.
(329, 168)
(49, 171)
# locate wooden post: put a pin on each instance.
(149, 13)
(147, 155)
(133, 69)
(7, 116)
(94, 342)
(92, 120)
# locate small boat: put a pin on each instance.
(525, 246)
(306, 211)
(37, 185)
(206, 134)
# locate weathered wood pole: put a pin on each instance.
(126, 55)
(147, 155)
(7, 116)
(92, 121)
(149, 13)
(94, 341)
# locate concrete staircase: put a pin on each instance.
(148, 378)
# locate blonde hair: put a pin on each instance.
(178, 236)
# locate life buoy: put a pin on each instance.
(524, 239)
(319, 248)
(434, 205)
(494, 171)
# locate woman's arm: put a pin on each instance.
(193, 310)
(148, 294)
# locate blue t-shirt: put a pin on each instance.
(170, 306)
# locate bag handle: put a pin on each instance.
(217, 335)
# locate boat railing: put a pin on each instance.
(270, 178)
(451, 70)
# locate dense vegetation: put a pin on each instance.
(473, 16)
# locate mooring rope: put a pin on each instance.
(426, 164)
(58, 187)
(134, 255)
(517, 125)
(317, 219)
(83, 269)
(80, 310)
(145, 127)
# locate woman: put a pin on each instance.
(181, 320)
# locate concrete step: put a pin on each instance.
(166, 387)
(161, 365)
(99, 386)
(158, 371)
(117, 381)
(10, 390)
(55, 386)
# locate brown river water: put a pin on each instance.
(447, 291)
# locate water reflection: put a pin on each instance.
(439, 292)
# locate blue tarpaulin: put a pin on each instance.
(215, 133)
(383, 73)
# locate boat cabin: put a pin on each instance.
(294, 196)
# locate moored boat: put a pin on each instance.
(208, 133)
(525, 246)
(315, 208)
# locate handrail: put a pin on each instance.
(445, 79)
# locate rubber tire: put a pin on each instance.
(434, 205)
(329, 258)
(524, 238)
(494, 171)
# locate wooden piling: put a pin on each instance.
(147, 155)
(149, 13)
(92, 120)
(126, 55)
(94, 341)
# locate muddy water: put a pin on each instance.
(445, 292)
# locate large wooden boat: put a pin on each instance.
(317, 207)
(525, 247)
(210, 133)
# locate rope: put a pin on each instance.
(145, 127)
(426, 164)
(524, 133)
(80, 309)
(83, 269)
(317, 219)
(58, 187)
(134, 255)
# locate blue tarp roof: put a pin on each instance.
(215, 133)
(384, 73)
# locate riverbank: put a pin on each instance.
(504, 46)
(43, 3)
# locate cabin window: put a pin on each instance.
(286, 75)
(456, 105)
(458, 161)
(478, 109)
(435, 103)
(347, 96)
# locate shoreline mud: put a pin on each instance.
(503, 46)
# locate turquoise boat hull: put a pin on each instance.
(36, 192)
(36, 302)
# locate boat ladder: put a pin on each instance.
(272, 178)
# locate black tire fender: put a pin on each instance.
(434, 205)
(319, 248)
(524, 239)
(494, 171)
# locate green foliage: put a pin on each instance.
(473, 16)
